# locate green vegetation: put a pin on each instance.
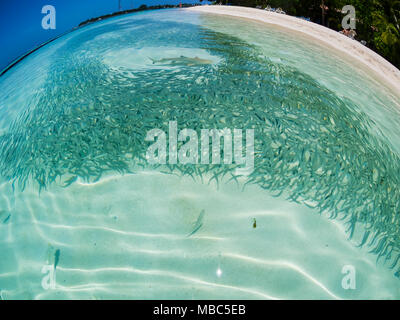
(378, 21)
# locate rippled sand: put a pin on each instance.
(127, 237)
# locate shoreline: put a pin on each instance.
(380, 67)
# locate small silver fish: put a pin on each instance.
(56, 258)
(4, 216)
(198, 224)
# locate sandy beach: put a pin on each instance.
(384, 70)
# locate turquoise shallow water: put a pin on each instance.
(83, 214)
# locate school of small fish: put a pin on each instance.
(311, 146)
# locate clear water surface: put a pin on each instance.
(83, 215)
